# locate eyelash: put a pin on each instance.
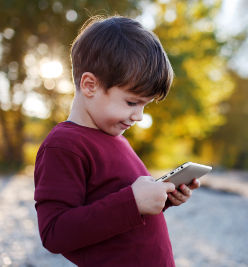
(131, 104)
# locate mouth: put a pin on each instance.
(125, 126)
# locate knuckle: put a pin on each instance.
(162, 198)
(182, 198)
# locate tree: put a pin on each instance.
(228, 145)
(32, 30)
(191, 111)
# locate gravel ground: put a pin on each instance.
(210, 230)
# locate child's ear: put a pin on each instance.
(88, 84)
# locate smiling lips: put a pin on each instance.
(125, 126)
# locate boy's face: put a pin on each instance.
(116, 110)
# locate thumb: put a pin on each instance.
(169, 187)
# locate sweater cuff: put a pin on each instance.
(130, 209)
(167, 205)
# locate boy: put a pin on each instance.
(96, 202)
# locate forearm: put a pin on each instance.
(66, 229)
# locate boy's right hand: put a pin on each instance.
(150, 195)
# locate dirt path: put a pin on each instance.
(210, 230)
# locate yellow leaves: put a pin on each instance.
(171, 151)
(197, 11)
(189, 124)
(201, 83)
(142, 134)
(213, 82)
(192, 125)
(30, 151)
(213, 86)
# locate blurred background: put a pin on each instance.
(205, 115)
(204, 118)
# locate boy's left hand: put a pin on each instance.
(183, 193)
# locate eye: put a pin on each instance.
(131, 104)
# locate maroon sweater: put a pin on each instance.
(85, 204)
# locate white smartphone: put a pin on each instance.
(185, 173)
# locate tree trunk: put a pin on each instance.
(12, 139)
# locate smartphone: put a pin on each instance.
(185, 173)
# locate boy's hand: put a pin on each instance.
(179, 197)
(150, 196)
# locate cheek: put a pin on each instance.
(117, 112)
(107, 116)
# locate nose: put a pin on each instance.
(137, 115)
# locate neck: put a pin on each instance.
(79, 113)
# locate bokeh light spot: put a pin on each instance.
(146, 121)
(50, 69)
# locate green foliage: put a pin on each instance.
(182, 125)
(191, 111)
(228, 145)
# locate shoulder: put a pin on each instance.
(70, 137)
(81, 140)
(62, 134)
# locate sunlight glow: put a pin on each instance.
(71, 15)
(34, 106)
(50, 69)
(170, 15)
(65, 87)
(8, 33)
(4, 92)
(146, 121)
(147, 17)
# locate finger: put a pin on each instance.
(180, 196)
(195, 184)
(148, 178)
(174, 200)
(169, 187)
(185, 190)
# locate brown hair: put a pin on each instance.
(119, 52)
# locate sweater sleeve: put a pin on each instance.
(66, 223)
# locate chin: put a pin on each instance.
(118, 133)
(114, 133)
(113, 130)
